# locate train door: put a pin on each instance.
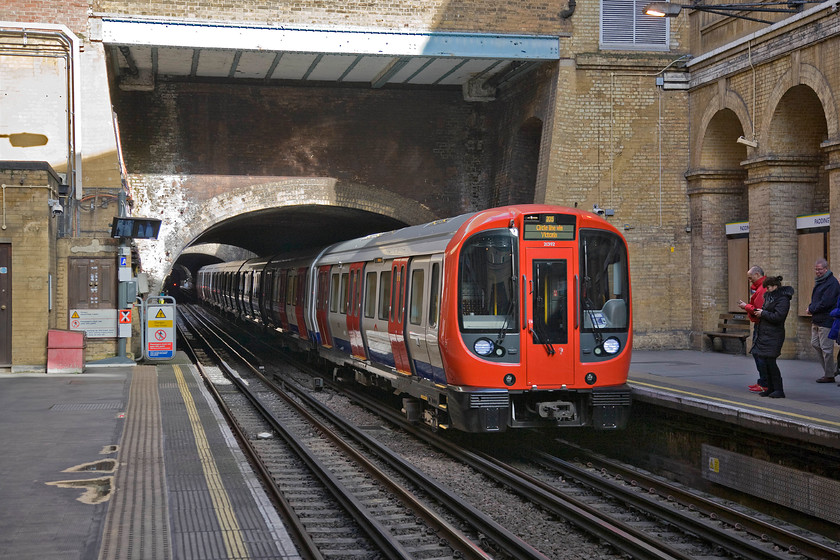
(396, 320)
(280, 300)
(433, 318)
(322, 305)
(339, 291)
(548, 348)
(300, 302)
(354, 312)
(418, 301)
(377, 308)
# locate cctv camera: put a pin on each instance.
(746, 142)
(599, 211)
(56, 207)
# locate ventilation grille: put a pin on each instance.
(611, 398)
(489, 400)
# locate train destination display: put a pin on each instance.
(555, 227)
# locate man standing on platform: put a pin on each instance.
(823, 299)
(756, 278)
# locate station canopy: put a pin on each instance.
(144, 49)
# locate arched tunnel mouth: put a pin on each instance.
(263, 233)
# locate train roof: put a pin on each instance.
(429, 238)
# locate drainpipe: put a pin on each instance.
(70, 44)
(567, 13)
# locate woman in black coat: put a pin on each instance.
(770, 332)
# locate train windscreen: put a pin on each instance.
(487, 287)
(604, 279)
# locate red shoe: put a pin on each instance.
(757, 388)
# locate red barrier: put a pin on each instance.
(65, 351)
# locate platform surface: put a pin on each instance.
(715, 384)
(137, 462)
(126, 462)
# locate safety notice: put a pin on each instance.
(160, 331)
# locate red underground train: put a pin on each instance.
(507, 318)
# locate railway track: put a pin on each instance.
(345, 504)
(637, 517)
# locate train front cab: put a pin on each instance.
(544, 317)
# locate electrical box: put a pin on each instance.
(126, 293)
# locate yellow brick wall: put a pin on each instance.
(28, 225)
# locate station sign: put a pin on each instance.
(737, 228)
(813, 221)
(96, 323)
(159, 340)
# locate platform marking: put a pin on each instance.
(234, 545)
(738, 403)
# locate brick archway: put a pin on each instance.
(184, 227)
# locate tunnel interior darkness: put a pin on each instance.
(280, 230)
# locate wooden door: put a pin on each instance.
(92, 284)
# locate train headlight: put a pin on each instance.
(612, 345)
(483, 347)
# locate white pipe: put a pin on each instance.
(74, 90)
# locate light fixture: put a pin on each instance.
(672, 9)
(747, 142)
(25, 139)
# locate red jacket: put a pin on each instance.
(757, 290)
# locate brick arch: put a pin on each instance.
(158, 256)
(811, 77)
(732, 101)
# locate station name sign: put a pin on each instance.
(556, 227)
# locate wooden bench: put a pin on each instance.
(732, 326)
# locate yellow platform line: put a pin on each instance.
(234, 545)
(738, 403)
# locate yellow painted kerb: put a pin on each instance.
(234, 545)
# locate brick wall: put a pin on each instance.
(418, 144)
(31, 231)
(463, 15)
(72, 13)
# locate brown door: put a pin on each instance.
(5, 304)
(92, 284)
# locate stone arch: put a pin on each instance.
(717, 195)
(809, 76)
(158, 256)
(731, 101)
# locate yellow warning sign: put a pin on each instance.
(160, 324)
(160, 314)
(75, 315)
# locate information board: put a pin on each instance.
(159, 339)
(96, 323)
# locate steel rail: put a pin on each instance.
(307, 546)
(383, 537)
(795, 544)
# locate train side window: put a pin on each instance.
(385, 295)
(334, 291)
(345, 292)
(434, 295)
(290, 290)
(370, 295)
(415, 313)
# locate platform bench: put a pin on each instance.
(732, 326)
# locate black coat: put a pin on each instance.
(823, 297)
(770, 329)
